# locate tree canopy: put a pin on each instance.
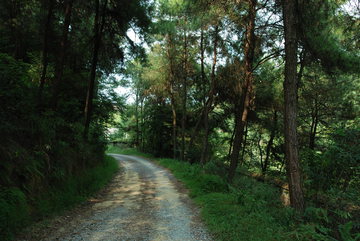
(268, 89)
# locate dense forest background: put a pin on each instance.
(266, 89)
(55, 98)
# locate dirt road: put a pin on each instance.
(143, 202)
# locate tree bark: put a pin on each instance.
(203, 86)
(244, 90)
(137, 140)
(45, 51)
(270, 144)
(202, 66)
(244, 144)
(98, 29)
(172, 94)
(142, 146)
(184, 96)
(290, 98)
(59, 68)
(314, 123)
(209, 103)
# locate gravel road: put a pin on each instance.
(143, 202)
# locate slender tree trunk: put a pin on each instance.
(270, 143)
(242, 106)
(231, 142)
(142, 124)
(244, 143)
(290, 98)
(14, 12)
(45, 51)
(184, 98)
(209, 103)
(137, 140)
(202, 66)
(314, 123)
(172, 94)
(260, 151)
(59, 68)
(174, 137)
(203, 86)
(98, 29)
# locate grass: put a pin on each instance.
(76, 189)
(231, 213)
(245, 210)
(17, 212)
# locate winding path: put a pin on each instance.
(143, 202)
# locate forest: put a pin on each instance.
(262, 97)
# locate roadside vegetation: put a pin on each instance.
(261, 89)
(17, 210)
(249, 209)
(56, 98)
(234, 89)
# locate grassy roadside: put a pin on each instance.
(17, 211)
(245, 210)
(76, 189)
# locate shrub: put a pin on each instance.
(212, 183)
(14, 211)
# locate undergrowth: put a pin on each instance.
(247, 209)
(17, 210)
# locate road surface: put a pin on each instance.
(143, 202)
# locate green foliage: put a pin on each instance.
(338, 166)
(343, 157)
(14, 212)
(15, 206)
(75, 189)
(126, 151)
(42, 145)
(46, 163)
(249, 209)
(212, 183)
(215, 167)
(321, 36)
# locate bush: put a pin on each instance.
(75, 189)
(212, 183)
(338, 166)
(14, 212)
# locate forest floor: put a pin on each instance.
(143, 202)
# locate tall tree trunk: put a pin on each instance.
(16, 32)
(242, 105)
(202, 66)
(142, 146)
(184, 95)
(203, 89)
(172, 94)
(98, 29)
(174, 137)
(137, 140)
(59, 68)
(209, 103)
(290, 98)
(45, 50)
(244, 144)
